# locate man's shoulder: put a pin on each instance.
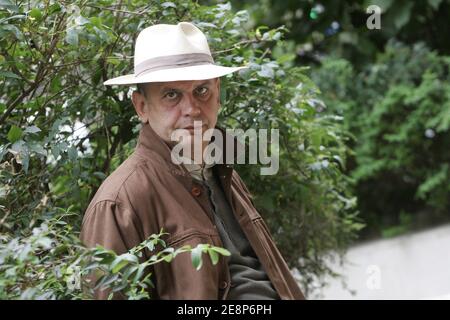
(127, 177)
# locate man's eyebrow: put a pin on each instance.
(204, 83)
(166, 88)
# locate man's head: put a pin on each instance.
(168, 106)
(170, 62)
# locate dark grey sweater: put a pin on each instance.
(248, 278)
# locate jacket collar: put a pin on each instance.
(149, 144)
(150, 141)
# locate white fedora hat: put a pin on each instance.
(166, 52)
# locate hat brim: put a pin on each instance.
(200, 72)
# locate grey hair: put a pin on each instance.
(142, 88)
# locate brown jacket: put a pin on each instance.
(148, 192)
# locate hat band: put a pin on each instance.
(173, 61)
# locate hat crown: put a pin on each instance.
(166, 40)
(166, 52)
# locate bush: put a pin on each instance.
(399, 110)
(51, 263)
(62, 131)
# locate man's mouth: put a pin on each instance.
(193, 128)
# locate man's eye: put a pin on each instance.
(202, 91)
(171, 95)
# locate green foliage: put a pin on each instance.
(339, 27)
(62, 131)
(399, 108)
(51, 263)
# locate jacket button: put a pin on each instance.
(223, 285)
(196, 191)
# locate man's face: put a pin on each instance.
(168, 106)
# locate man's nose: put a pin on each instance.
(190, 107)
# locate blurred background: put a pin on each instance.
(391, 86)
(359, 90)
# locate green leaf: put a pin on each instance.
(9, 28)
(8, 74)
(118, 265)
(14, 134)
(383, 4)
(9, 5)
(55, 151)
(44, 242)
(80, 20)
(121, 261)
(19, 146)
(435, 3)
(403, 14)
(266, 72)
(168, 250)
(54, 8)
(436, 179)
(139, 273)
(36, 13)
(196, 257)
(105, 281)
(147, 280)
(72, 152)
(3, 151)
(168, 4)
(25, 161)
(222, 251)
(168, 257)
(72, 36)
(223, 94)
(214, 256)
(202, 25)
(150, 245)
(99, 175)
(32, 129)
(17, 16)
(38, 148)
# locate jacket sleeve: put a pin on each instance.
(112, 225)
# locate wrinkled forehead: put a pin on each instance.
(186, 85)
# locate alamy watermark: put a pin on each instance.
(214, 147)
(374, 20)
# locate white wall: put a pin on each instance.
(414, 266)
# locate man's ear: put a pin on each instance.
(140, 105)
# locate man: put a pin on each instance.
(178, 88)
